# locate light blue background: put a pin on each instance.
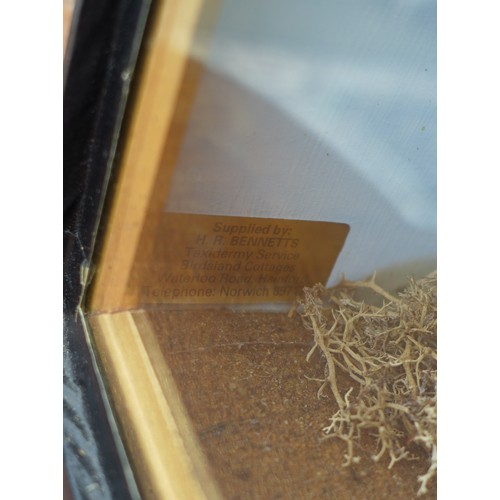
(320, 110)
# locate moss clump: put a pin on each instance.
(389, 352)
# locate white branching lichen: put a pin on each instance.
(389, 352)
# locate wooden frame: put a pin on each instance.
(166, 62)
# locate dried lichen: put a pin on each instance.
(389, 352)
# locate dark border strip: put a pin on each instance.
(99, 70)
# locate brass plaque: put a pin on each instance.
(209, 259)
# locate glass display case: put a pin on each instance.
(264, 147)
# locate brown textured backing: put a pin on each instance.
(242, 379)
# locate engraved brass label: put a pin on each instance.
(209, 259)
